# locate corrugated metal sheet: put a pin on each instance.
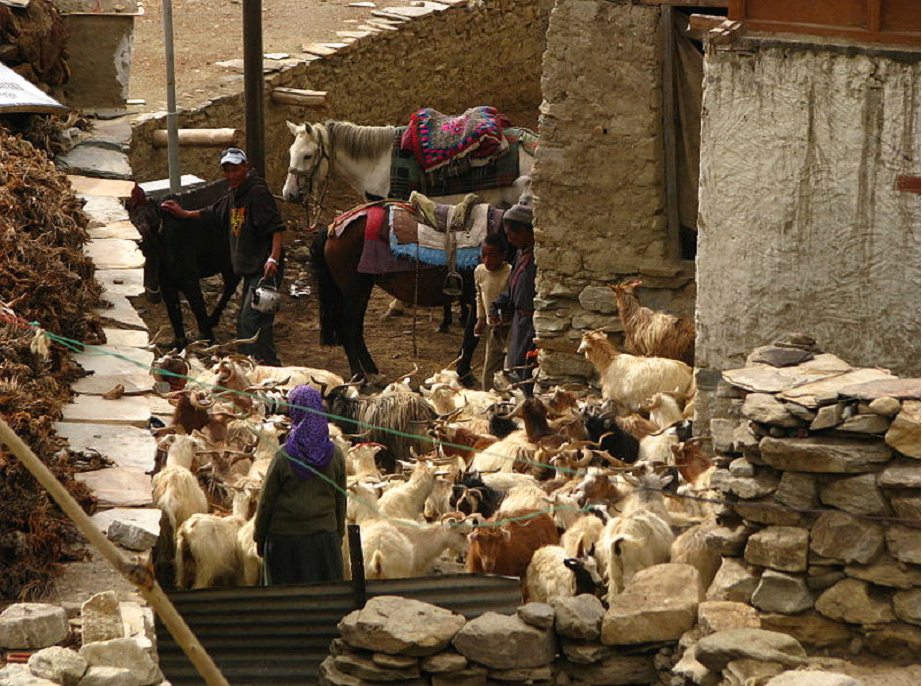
(279, 635)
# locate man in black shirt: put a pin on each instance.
(256, 226)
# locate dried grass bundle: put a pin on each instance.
(44, 277)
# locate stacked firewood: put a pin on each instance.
(33, 43)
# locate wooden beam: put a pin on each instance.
(705, 22)
(687, 3)
(908, 184)
(200, 137)
(299, 97)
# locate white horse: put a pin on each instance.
(361, 156)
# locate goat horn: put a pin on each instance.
(514, 412)
(321, 385)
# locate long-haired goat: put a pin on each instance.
(552, 573)
(640, 537)
(650, 333)
(629, 380)
(392, 551)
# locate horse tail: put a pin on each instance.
(331, 298)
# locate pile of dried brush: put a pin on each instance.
(45, 278)
(33, 42)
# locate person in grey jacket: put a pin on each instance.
(301, 515)
(517, 301)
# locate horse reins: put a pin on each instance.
(325, 153)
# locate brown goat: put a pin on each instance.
(462, 442)
(690, 461)
(507, 548)
(653, 334)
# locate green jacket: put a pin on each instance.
(291, 507)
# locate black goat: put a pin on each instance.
(470, 494)
(614, 440)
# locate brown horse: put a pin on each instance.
(344, 293)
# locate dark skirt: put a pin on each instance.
(302, 559)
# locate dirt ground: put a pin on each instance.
(206, 32)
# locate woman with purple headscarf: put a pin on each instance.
(301, 517)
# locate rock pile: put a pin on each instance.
(117, 644)
(820, 463)
(407, 642)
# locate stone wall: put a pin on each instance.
(449, 56)
(599, 209)
(801, 225)
(820, 464)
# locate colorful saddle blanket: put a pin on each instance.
(438, 139)
(407, 175)
(412, 239)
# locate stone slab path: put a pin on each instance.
(116, 427)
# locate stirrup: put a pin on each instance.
(454, 284)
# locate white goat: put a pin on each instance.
(393, 552)
(554, 574)
(505, 454)
(177, 492)
(406, 500)
(640, 537)
(691, 547)
(360, 461)
(207, 546)
(526, 497)
(629, 380)
(664, 409)
(582, 535)
(438, 503)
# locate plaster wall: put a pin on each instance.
(801, 227)
(452, 58)
(599, 208)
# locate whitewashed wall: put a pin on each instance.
(801, 227)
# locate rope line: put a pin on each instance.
(78, 346)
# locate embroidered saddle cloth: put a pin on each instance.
(438, 140)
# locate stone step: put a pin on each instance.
(126, 446)
(95, 161)
(130, 409)
(121, 312)
(116, 229)
(118, 486)
(126, 338)
(99, 385)
(114, 253)
(108, 360)
(109, 188)
(104, 210)
(127, 282)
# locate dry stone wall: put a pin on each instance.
(819, 464)
(449, 56)
(599, 209)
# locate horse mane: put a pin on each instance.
(360, 142)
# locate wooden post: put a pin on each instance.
(140, 576)
(673, 229)
(357, 562)
(216, 138)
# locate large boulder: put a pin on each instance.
(809, 628)
(779, 547)
(717, 650)
(839, 535)
(903, 434)
(735, 581)
(780, 592)
(19, 675)
(885, 571)
(29, 626)
(391, 624)
(812, 677)
(659, 604)
(61, 665)
(505, 642)
(821, 454)
(102, 618)
(856, 494)
(109, 676)
(579, 617)
(852, 601)
(123, 653)
(720, 615)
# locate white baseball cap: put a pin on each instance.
(233, 156)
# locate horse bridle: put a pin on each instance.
(325, 153)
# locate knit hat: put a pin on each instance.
(233, 156)
(308, 446)
(520, 213)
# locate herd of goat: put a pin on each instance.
(568, 491)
